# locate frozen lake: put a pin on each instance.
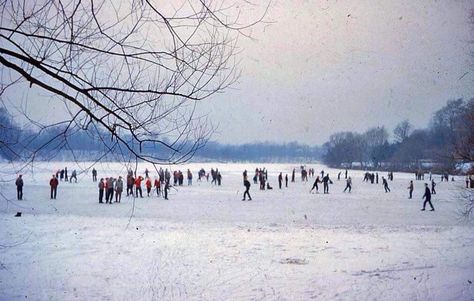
(204, 243)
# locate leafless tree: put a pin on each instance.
(402, 131)
(129, 72)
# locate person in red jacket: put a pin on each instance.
(157, 186)
(54, 186)
(148, 186)
(138, 186)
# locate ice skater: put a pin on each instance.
(348, 184)
(247, 189)
(280, 180)
(385, 184)
(427, 197)
(433, 185)
(315, 185)
(326, 182)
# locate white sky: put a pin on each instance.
(327, 66)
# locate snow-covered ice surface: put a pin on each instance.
(204, 243)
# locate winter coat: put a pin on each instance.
(54, 182)
(119, 185)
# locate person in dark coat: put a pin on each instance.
(348, 184)
(410, 189)
(247, 189)
(293, 175)
(94, 175)
(427, 197)
(326, 182)
(315, 184)
(280, 180)
(53, 183)
(286, 180)
(101, 190)
(433, 185)
(65, 175)
(385, 184)
(19, 188)
(165, 189)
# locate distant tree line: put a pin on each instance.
(262, 152)
(87, 145)
(447, 141)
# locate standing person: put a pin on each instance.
(157, 185)
(54, 186)
(376, 178)
(244, 175)
(94, 175)
(315, 185)
(118, 189)
(106, 189)
(247, 188)
(61, 174)
(348, 184)
(410, 189)
(286, 180)
(19, 187)
(101, 190)
(190, 178)
(427, 197)
(130, 182)
(346, 174)
(65, 175)
(219, 178)
(433, 185)
(385, 184)
(148, 186)
(293, 176)
(339, 176)
(146, 172)
(326, 182)
(280, 180)
(110, 190)
(166, 188)
(138, 186)
(73, 175)
(467, 181)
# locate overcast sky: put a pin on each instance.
(327, 66)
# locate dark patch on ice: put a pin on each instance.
(297, 261)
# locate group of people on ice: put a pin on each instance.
(61, 174)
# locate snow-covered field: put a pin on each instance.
(204, 243)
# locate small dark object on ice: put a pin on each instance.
(297, 261)
(470, 282)
(18, 214)
(305, 217)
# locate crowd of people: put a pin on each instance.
(111, 188)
